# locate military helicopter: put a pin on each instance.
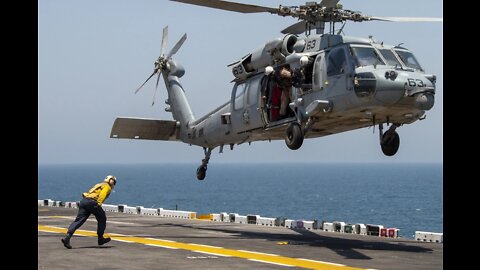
(334, 83)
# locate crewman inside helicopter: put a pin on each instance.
(277, 93)
(284, 81)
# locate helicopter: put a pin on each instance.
(336, 83)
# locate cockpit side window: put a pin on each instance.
(390, 57)
(408, 59)
(336, 62)
(239, 96)
(254, 86)
(365, 56)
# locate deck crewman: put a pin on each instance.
(91, 203)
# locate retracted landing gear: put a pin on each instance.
(202, 169)
(389, 141)
(294, 136)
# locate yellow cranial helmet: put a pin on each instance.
(107, 179)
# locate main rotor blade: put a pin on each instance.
(164, 40)
(177, 46)
(138, 89)
(406, 19)
(230, 6)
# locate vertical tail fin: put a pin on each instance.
(177, 100)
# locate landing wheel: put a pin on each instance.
(202, 169)
(201, 172)
(390, 144)
(294, 136)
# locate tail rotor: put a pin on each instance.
(161, 63)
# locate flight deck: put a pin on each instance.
(153, 242)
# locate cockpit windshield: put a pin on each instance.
(365, 56)
(408, 59)
(390, 57)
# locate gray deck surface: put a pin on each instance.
(348, 250)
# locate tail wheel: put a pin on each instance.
(294, 136)
(390, 146)
(201, 172)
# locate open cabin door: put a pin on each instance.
(246, 112)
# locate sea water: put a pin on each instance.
(404, 196)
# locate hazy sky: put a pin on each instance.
(92, 55)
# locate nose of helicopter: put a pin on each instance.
(390, 86)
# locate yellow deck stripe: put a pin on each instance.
(267, 258)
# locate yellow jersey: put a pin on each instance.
(99, 192)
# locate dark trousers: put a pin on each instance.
(87, 207)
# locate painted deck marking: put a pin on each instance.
(217, 251)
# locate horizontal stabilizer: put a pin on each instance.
(144, 129)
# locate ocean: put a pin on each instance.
(404, 196)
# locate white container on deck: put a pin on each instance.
(216, 217)
(265, 221)
(429, 236)
(166, 213)
(177, 214)
(110, 207)
(308, 224)
(149, 211)
(289, 223)
(328, 226)
(360, 228)
(189, 214)
(240, 219)
(130, 210)
(224, 217)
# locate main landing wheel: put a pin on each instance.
(201, 172)
(390, 145)
(202, 169)
(294, 136)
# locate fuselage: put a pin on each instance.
(348, 83)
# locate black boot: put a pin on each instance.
(102, 240)
(66, 241)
